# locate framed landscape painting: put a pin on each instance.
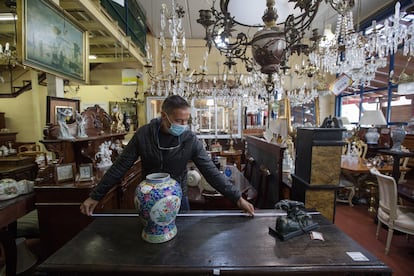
(52, 42)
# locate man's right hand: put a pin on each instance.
(88, 206)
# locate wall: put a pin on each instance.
(20, 112)
(90, 95)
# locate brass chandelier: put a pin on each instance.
(271, 46)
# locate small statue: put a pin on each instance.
(127, 121)
(104, 154)
(296, 222)
(81, 121)
(63, 127)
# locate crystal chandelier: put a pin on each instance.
(7, 53)
(360, 55)
(385, 39)
(175, 76)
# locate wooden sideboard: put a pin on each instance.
(58, 207)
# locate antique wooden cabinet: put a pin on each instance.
(58, 203)
(317, 168)
(59, 207)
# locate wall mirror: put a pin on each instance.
(305, 115)
(216, 118)
(210, 118)
(153, 107)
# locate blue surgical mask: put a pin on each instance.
(176, 129)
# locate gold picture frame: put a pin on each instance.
(56, 104)
(85, 172)
(65, 173)
(53, 41)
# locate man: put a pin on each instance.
(166, 145)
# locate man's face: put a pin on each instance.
(179, 116)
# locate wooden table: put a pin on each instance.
(10, 211)
(358, 165)
(397, 155)
(406, 191)
(209, 245)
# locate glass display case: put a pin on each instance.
(210, 118)
(216, 118)
(305, 115)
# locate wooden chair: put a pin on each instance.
(359, 148)
(27, 148)
(32, 150)
(396, 217)
(403, 164)
(347, 181)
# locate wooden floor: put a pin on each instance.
(361, 226)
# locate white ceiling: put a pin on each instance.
(326, 15)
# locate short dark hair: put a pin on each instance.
(174, 102)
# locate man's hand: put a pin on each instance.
(245, 206)
(88, 206)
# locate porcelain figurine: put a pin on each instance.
(158, 199)
(81, 121)
(63, 127)
(104, 155)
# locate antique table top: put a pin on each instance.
(360, 165)
(208, 243)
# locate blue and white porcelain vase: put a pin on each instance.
(158, 199)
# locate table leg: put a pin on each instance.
(396, 168)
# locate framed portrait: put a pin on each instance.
(56, 107)
(65, 173)
(85, 172)
(52, 41)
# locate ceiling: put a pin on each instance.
(106, 40)
(114, 49)
(252, 11)
(363, 11)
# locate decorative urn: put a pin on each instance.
(268, 45)
(158, 199)
(397, 135)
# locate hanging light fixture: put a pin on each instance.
(285, 36)
(8, 54)
(175, 76)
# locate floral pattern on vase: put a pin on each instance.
(158, 200)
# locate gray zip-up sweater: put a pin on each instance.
(144, 144)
